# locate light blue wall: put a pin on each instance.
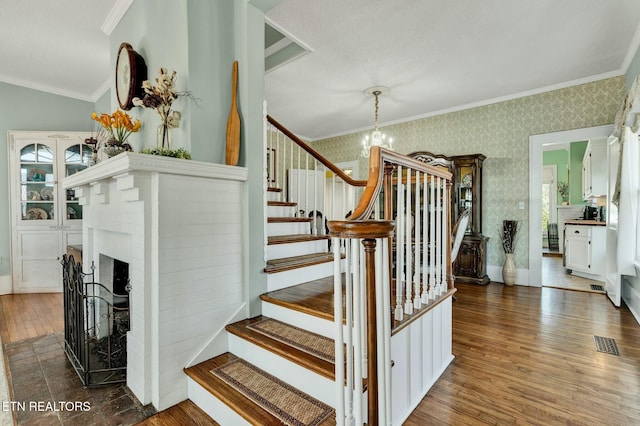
(200, 39)
(27, 109)
(103, 104)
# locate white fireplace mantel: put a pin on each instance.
(180, 225)
(130, 161)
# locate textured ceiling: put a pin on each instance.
(438, 55)
(56, 46)
(435, 55)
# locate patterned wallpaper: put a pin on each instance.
(501, 132)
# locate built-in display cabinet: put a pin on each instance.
(45, 218)
(471, 263)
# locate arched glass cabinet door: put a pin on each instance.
(37, 182)
(76, 158)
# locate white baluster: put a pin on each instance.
(399, 314)
(348, 342)
(408, 303)
(439, 238)
(445, 238)
(315, 196)
(432, 240)
(417, 246)
(339, 353)
(297, 214)
(380, 333)
(386, 296)
(425, 242)
(358, 329)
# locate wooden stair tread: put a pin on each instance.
(313, 298)
(300, 357)
(282, 203)
(288, 219)
(295, 262)
(295, 238)
(252, 412)
(272, 189)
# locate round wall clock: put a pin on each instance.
(131, 71)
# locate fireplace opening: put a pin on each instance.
(97, 319)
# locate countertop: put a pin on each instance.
(585, 222)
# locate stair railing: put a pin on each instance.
(402, 209)
(411, 270)
(321, 190)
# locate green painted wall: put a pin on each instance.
(559, 158)
(501, 132)
(576, 153)
(27, 109)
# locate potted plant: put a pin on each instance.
(116, 129)
(508, 236)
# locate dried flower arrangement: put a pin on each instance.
(509, 235)
(160, 97)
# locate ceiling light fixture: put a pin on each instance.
(377, 138)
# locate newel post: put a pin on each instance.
(368, 231)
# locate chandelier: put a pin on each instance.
(377, 138)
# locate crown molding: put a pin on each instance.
(45, 88)
(590, 79)
(104, 87)
(115, 15)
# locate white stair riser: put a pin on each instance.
(274, 196)
(278, 251)
(288, 228)
(281, 211)
(211, 405)
(284, 279)
(299, 319)
(295, 375)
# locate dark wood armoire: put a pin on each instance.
(466, 193)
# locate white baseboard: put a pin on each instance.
(6, 286)
(631, 297)
(522, 276)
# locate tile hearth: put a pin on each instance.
(40, 373)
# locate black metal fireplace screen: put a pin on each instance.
(96, 322)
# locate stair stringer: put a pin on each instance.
(294, 374)
(219, 341)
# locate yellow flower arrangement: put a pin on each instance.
(118, 126)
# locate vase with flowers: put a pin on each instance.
(160, 97)
(116, 129)
(508, 236)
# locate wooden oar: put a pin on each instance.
(233, 123)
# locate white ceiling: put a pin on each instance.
(438, 55)
(435, 55)
(56, 46)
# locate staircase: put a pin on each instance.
(301, 264)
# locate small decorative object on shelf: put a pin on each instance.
(509, 237)
(116, 129)
(563, 190)
(95, 146)
(160, 97)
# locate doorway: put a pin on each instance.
(536, 146)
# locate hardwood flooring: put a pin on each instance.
(526, 355)
(523, 356)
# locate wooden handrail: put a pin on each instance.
(378, 157)
(328, 164)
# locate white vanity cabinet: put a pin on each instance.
(585, 248)
(594, 170)
(45, 218)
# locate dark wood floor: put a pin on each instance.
(523, 356)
